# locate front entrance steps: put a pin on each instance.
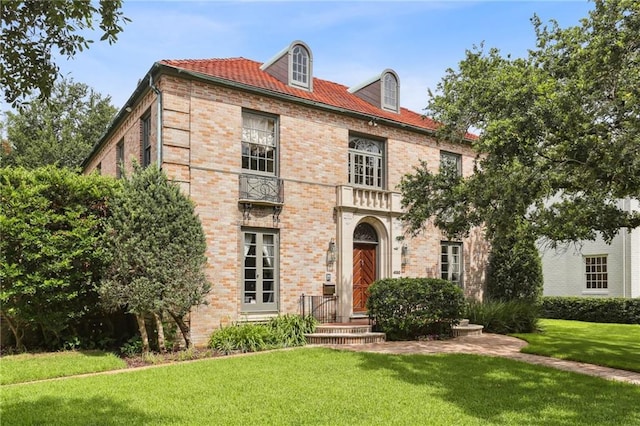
(344, 334)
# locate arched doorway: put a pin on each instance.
(365, 268)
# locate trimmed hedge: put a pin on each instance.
(409, 308)
(592, 309)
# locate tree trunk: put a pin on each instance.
(184, 328)
(161, 344)
(142, 328)
(17, 333)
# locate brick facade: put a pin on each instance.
(201, 125)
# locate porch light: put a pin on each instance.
(331, 253)
(404, 254)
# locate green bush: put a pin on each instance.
(51, 222)
(408, 308)
(515, 269)
(592, 309)
(280, 332)
(515, 316)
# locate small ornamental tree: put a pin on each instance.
(50, 254)
(156, 247)
(515, 269)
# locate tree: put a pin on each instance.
(156, 249)
(33, 29)
(60, 131)
(51, 222)
(559, 135)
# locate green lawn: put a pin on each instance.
(611, 345)
(323, 386)
(27, 367)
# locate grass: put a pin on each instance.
(28, 367)
(610, 345)
(322, 386)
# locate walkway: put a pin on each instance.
(492, 345)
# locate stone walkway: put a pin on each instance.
(492, 345)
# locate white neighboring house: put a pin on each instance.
(595, 268)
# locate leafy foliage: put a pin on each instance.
(280, 332)
(408, 308)
(60, 131)
(505, 317)
(155, 248)
(515, 269)
(593, 309)
(32, 29)
(559, 131)
(51, 222)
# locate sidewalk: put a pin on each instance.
(493, 345)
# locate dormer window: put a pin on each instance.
(293, 66)
(390, 92)
(300, 66)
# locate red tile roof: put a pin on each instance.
(246, 71)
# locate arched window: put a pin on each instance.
(366, 165)
(390, 92)
(365, 233)
(300, 66)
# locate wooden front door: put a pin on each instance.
(364, 273)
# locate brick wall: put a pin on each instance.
(201, 150)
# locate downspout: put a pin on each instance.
(159, 121)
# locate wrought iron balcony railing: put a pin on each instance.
(261, 189)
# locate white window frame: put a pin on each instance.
(390, 92)
(366, 162)
(300, 67)
(447, 157)
(451, 270)
(259, 147)
(260, 259)
(596, 272)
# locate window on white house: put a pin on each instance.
(259, 143)
(260, 271)
(119, 158)
(451, 262)
(452, 160)
(366, 162)
(596, 274)
(145, 139)
(390, 92)
(300, 66)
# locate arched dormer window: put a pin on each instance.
(390, 91)
(300, 66)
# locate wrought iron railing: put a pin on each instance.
(265, 189)
(322, 308)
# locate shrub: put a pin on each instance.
(280, 332)
(289, 330)
(408, 308)
(51, 222)
(515, 269)
(515, 316)
(607, 310)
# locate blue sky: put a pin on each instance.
(351, 41)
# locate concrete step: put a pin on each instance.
(342, 329)
(344, 338)
(467, 330)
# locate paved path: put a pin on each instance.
(492, 345)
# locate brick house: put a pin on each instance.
(295, 181)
